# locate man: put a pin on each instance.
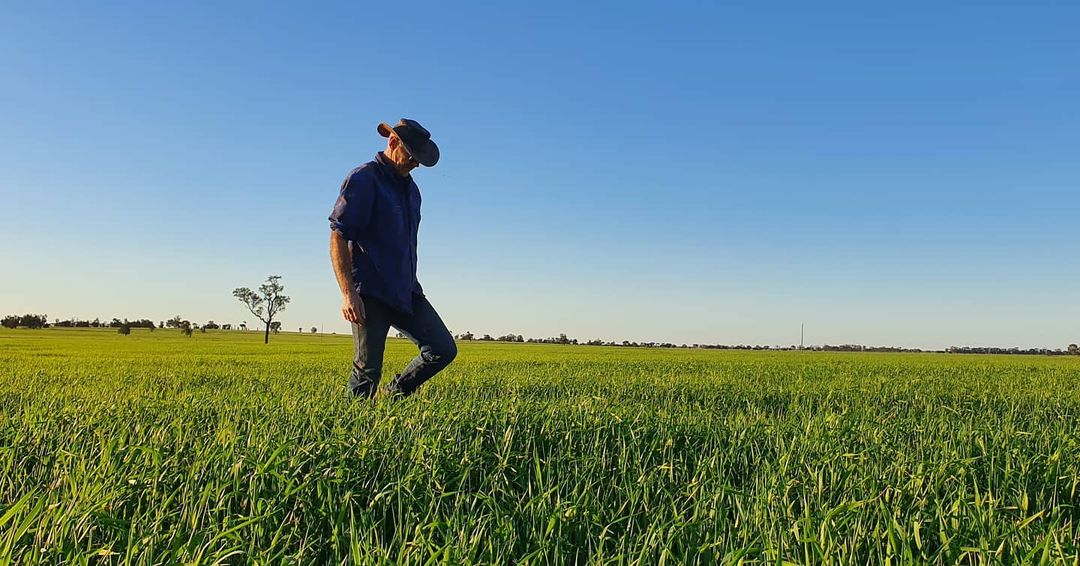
(373, 249)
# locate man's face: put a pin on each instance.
(397, 153)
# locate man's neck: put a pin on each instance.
(400, 170)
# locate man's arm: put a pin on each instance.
(352, 308)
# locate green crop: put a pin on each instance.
(156, 448)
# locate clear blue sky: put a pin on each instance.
(686, 172)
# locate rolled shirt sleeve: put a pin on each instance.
(352, 210)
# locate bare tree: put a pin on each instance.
(266, 303)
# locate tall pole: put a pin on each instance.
(802, 334)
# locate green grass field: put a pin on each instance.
(156, 448)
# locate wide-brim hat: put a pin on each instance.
(417, 140)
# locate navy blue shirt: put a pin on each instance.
(378, 212)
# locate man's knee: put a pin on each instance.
(451, 351)
(442, 352)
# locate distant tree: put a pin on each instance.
(243, 325)
(34, 320)
(186, 330)
(10, 321)
(275, 326)
(314, 330)
(173, 322)
(465, 335)
(226, 327)
(1074, 350)
(211, 325)
(161, 324)
(142, 323)
(269, 300)
(124, 328)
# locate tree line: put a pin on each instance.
(187, 327)
(42, 321)
(265, 303)
(177, 322)
(1072, 349)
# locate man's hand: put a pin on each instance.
(352, 308)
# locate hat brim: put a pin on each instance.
(427, 155)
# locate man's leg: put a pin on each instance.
(437, 348)
(369, 340)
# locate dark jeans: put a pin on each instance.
(423, 327)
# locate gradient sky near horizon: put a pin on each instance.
(681, 171)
